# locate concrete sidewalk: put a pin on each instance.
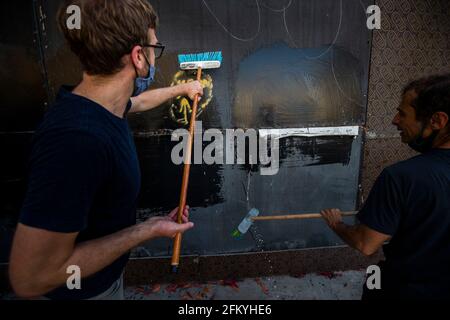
(327, 286)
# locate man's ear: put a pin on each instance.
(136, 57)
(439, 120)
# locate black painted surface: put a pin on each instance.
(315, 151)
(315, 173)
(22, 103)
(161, 184)
(22, 84)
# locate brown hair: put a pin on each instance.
(435, 98)
(433, 95)
(109, 30)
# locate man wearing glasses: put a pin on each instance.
(149, 99)
(77, 223)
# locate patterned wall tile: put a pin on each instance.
(414, 41)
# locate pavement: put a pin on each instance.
(345, 285)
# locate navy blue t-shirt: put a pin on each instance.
(411, 202)
(83, 177)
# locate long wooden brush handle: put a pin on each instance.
(185, 181)
(299, 216)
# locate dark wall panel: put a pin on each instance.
(301, 185)
(23, 99)
(291, 64)
(22, 81)
(287, 64)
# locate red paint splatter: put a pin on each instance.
(230, 283)
(172, 288)
(263, 287)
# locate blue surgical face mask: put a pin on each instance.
(142, 84)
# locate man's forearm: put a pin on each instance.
(358, 236)
(153, 98)
(92, 256)
(349, 234)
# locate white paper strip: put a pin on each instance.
(310, 132)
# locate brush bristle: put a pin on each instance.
(204, 56)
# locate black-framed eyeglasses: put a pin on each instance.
(158, 48)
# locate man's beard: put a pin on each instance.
(421, 144)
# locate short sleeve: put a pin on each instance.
(383, 207)
(65, 172)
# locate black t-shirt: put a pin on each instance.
(411, 202)
(84, 177)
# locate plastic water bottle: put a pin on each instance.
(247, 222)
